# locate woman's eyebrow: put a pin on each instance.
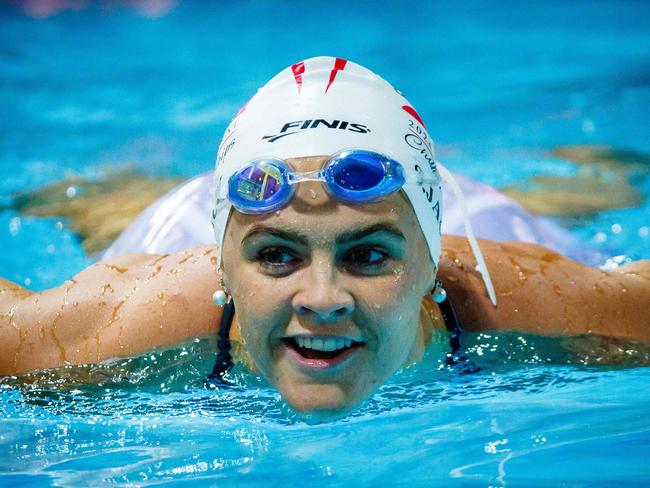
(345, 237)
(292, 236)
(357, 234)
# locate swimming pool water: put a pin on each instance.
(148, 420)
(499, 85)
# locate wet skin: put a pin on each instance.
(318, 269)
(315, 269)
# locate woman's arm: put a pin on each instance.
(137, 302)
(541, 292)
(119, 308)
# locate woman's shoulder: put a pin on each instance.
(542, 292)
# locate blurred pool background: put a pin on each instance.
(105, 84)
(149, 85)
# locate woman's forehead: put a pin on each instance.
(311, 163)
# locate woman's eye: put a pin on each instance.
(277, 258)
(366, 258)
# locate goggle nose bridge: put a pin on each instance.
(294, 177)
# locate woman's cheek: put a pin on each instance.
(256, 342)
(397, 308)
(262, 322)
(391, 293)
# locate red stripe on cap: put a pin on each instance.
(241, 110)
(298, 69)
(411, 111)
(339, 65)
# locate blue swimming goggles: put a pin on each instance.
(351, 176)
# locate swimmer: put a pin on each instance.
(330, 269)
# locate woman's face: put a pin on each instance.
(327, 294)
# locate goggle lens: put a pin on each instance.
(358, 173)
(259, 183)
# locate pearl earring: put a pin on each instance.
(221, 297)
(439, 294)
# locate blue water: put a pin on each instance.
(499, 84)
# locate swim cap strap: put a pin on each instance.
(481, 267)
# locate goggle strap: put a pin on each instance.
(417, 178)
(481, 267)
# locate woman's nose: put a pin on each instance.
(321, 298)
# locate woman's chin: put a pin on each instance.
(320, 402)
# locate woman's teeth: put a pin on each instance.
(320, 352)
(323, 343)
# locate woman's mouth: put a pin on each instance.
(320, 352)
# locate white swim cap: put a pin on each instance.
(323, 105)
